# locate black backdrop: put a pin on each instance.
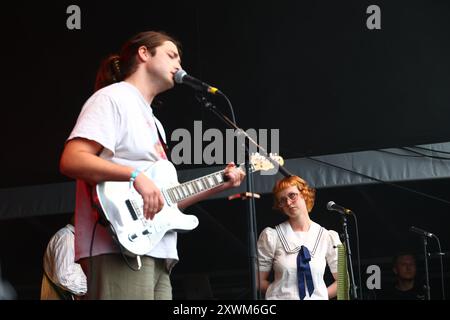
(311, 69)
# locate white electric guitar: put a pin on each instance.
(122, 205)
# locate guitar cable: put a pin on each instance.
(125, 258)
(90, 275)
(122, 253)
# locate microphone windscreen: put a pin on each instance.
(179, 75)
(330, 205)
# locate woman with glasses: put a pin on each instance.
(298, 249)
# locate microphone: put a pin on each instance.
(421, 232)
(181, 77)
(332, 206)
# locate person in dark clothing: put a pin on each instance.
(406, 285)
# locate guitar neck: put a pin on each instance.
(196, 186)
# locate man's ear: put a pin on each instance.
(143, 55)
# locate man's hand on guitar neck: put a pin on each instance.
(233, 175)
(153, 199)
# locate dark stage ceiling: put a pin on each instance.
(309, 68)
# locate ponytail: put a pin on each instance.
(109, 72)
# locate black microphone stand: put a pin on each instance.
(252, 229)
(348, 250)
(427, 275)
(251, 209)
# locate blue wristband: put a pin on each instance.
(134, 175)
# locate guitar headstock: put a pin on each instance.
(261, 163)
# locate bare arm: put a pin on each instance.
(80, 160)
(332, 288)
(264, 281)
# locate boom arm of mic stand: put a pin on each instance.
(211, 107)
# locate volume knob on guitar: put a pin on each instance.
(132, 237)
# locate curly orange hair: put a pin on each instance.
(308, 193)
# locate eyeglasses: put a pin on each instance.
(284, 200)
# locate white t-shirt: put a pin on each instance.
(278, 249)
(120, 119)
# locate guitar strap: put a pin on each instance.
(96, 205)
(164, 145)
(161, 140)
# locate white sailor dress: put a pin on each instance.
(278, 250)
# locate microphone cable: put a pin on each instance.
(233, 118)
(358, 256)
(442, 265)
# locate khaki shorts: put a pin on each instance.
(112, 279)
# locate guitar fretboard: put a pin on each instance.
(193, 187)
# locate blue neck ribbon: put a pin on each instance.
(304, 273)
